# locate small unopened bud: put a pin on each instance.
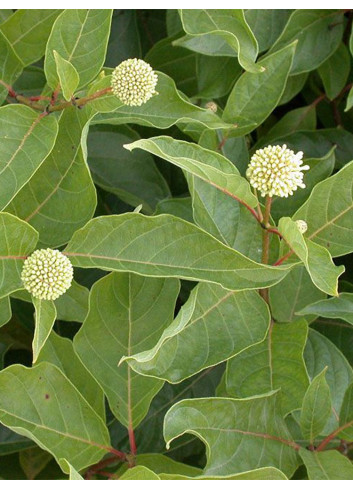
(47, 274)
(212, 106)
(302, 226)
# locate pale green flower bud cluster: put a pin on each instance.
(134, 82)
(302, 226)
(276, 170)
(47, 274)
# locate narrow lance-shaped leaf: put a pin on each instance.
(316, 408)
(316, 258)
(42, 404)
(17, 240)
(329, 212)
(230, 25)
(275, 363)
(26, 138)
(163, 110)
(336, 307)
(127, 313)
(80, 36)
(45, 315)
(212, 326)
(210, 166)
(166, 246)
(255, 95)
(68, 76)
(328, 465)
(239, 434)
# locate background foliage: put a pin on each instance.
(163, 342)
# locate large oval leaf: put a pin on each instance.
(166, 246)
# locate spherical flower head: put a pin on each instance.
(47, 274)
(134, 82)
(302, 226)
(276, 170)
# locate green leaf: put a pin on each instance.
(210, 166)
(300, 291)
(180, 207)
(316, 408)
(45, 315)
(124, 38)
(216, 75)
(5, 13)
(134, 178)
(17, 240)
(346, 416)
(27, 30)
(349, 104)
(255, 95)
(60, 352)
(139, 473)
(68, 469)
(266, 473)
(275, 363)
(317, 260)
(320, 353)
(336, 307)
(230, 25)
(68, 77)
(335, 71)
(160, 464)
(68, 198)
(162, 110)
(318, 32)
(11, 442)
(303, 118)
(5, 310)
(176, 62)
(294, 85)
(43, 405)
(207, 44)
(329, 212)
(26, 139)
(211, 327)
(10, 66)
(80, 36)
(329, 465)
(33, 461)
(127, 242)
(227, 425)
(127, 313)
(267, 25)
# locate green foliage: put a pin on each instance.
(204, 336)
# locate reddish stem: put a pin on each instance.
(333, 435)
(284, 258)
